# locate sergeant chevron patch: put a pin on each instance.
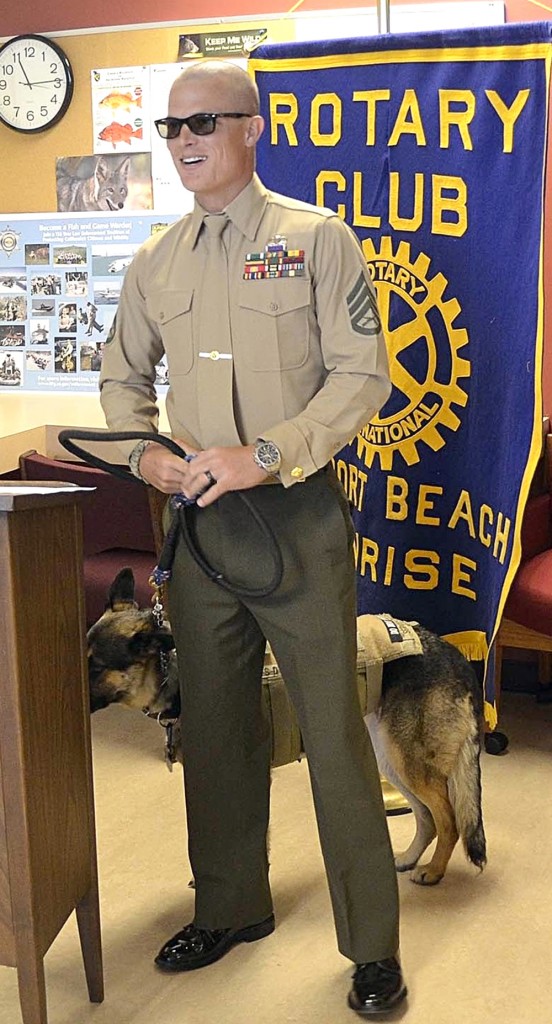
(363, 311)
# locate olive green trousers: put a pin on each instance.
(310, 622)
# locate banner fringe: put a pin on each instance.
(491, 716)
(471, 643)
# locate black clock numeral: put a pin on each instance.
(29, 51)
(43, 111)
(57, 83)
(53, 99)
(3, 83)
(53, 67)
(7, 69)
(6, 101)
(30, 115)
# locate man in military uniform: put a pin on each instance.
(264, 309)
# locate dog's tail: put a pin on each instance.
(464, 788)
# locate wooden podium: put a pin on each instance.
(48, 865)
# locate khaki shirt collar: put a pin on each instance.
(245, 211)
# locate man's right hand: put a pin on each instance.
(163, 470)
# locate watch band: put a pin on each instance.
(134, 459)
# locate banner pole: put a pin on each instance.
(384, 20)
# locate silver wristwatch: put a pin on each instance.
(134, 459)
(267, 456)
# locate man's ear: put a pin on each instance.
(254, 131)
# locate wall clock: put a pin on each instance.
(36, 83)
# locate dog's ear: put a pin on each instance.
(144, 642)
(121, 592)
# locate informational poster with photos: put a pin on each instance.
(60, 283)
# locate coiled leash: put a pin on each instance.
(183, 513)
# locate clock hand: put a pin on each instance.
(26, 82)
(45, 81)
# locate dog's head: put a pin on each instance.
(128, 652)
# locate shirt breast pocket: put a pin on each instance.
(274, 323)
(172, 312)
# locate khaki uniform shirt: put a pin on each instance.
(299, 360)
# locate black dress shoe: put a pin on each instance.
(195, 947)
(377, 987)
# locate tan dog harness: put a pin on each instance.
(382, 638)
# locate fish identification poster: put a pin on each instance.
(120, 110)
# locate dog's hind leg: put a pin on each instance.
(434, 795)
(425, 826)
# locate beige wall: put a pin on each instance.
(34, 421)
(28, 179)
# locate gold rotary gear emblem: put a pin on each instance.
(411, 305)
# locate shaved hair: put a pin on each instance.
(237, 87)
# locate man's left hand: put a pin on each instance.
(218, 470)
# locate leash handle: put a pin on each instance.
(181, 508)
(67, 439)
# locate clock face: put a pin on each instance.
(36, 83)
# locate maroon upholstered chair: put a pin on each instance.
(527, 618)
(117, 527)
(530, 599)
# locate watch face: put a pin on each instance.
(267, 455)
(36, 83)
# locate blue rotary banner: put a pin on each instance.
(432, 147)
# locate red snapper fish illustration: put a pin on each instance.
(116, 132)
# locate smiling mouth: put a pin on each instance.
(190, 161)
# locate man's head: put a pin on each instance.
(216, 166)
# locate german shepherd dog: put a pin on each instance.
(426, 731)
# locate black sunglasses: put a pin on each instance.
(199, 124)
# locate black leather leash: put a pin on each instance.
(183, 512)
